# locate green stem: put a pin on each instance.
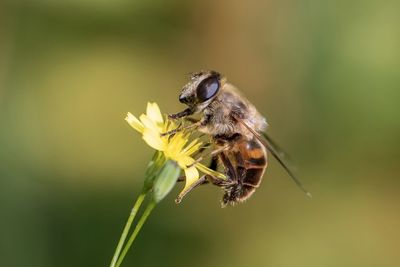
(127, 227)
(139, 225)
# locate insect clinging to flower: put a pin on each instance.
(236, 128)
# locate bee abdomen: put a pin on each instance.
(245, 186)
(251, 162)
(260, 161)
(252, 159)
(253, 176)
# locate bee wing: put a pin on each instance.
(274, 149)
(277, 148)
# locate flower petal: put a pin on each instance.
(185, 161)
(154, 113)
(149, 124)
(153, 139)
(177, 142)
(134, 122)
(169, 125)
(192, 147)
(206, 170)
(192, 175)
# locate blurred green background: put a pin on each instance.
(324, 73)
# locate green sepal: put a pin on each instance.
(153, 168)
(166, 180)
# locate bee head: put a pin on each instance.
(202, 88)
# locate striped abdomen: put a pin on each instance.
(248, 160)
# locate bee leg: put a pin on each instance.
(220, 182)
(213, 166)
(185, 113)
(200, 181)
(179, 129)
(201, 149)
(212, 153)
(192, 120)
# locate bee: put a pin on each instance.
(235, 127)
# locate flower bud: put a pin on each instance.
(165, 180)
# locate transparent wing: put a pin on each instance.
(282, 153)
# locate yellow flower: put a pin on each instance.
(174, 147)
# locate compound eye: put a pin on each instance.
(207, 89)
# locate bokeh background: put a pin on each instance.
(324, 73)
